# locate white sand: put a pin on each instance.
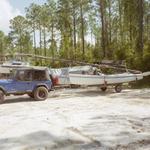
(80, 119)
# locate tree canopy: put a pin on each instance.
(85, 30)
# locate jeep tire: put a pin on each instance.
(1, 96)
(40, 94)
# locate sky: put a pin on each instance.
(11, 8)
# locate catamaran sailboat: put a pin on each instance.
(105, 80)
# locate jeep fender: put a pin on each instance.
(44, 85)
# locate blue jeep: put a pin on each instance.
(35, 82)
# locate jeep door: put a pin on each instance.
(23, 81)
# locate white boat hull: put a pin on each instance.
(81, 79)
(122, 78)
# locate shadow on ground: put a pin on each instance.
(120, 132)
(45, 141)
(139, 93)
(18, 99)
(66, 94)
(110, 93)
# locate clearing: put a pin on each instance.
(77, 119)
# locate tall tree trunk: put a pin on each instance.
(110, 21)
(52, 42)
(148, 27)
(103, 27)
(82, 31)
(20, 43)
(139, 44)
(74, 28)
(74, 32)
(34, 40)
(120, 21)
(40, 34)
(130, 30)
(44, 36)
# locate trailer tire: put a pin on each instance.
(118, 88)
(103, 89)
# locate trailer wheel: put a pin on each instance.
(104, 88)
(1, 96)
(118, 88)
(40, 94)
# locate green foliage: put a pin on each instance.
(2, 37)
(83, 30)
(146, 59)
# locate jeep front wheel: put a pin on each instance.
(41, 93)
(1, 96)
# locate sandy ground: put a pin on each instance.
(80, 119)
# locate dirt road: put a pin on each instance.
(80, 119)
